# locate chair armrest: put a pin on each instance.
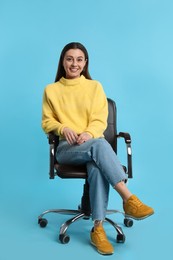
(127, 139)
(51, 138)
(53, 142)
(126, 136)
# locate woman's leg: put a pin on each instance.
(98, 191)
(100, 152)
(103, 168)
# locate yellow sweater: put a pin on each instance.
(79, 104)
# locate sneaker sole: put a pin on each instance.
(100, 252)
(140, 218)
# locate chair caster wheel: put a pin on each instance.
(121, 238)
(42, 222)
(64, 239)
(128, 222)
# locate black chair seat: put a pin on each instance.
(71, 171)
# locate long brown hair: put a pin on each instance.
(73, 45)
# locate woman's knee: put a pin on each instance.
(101, 143)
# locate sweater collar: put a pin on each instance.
(72, 82)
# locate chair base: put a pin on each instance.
(64, 238)
(83, 212)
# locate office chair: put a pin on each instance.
(79, 172)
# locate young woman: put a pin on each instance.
(75, 108)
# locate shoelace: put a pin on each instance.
(101, 235)
(137, 202)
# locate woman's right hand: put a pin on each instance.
(70, 135)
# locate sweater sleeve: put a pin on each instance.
(99, 113)
(49, 119)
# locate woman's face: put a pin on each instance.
(74, 63)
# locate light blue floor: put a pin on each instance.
(22, 238)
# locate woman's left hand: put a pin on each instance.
(83, 137)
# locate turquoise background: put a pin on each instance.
(130, 47)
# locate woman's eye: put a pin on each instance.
(69, 59)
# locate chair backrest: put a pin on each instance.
(111, 130)
(73, 171)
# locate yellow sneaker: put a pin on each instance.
(100, 241)
(134, 208)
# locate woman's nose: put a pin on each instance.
(74, 63)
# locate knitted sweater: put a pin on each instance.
(79, 104)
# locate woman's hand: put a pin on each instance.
(83, 137)
(73, 138)
(70, 135)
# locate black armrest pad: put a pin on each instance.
(53, 138)
(126, 137)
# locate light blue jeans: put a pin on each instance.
(103, 168)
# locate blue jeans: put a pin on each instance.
(103, 168)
